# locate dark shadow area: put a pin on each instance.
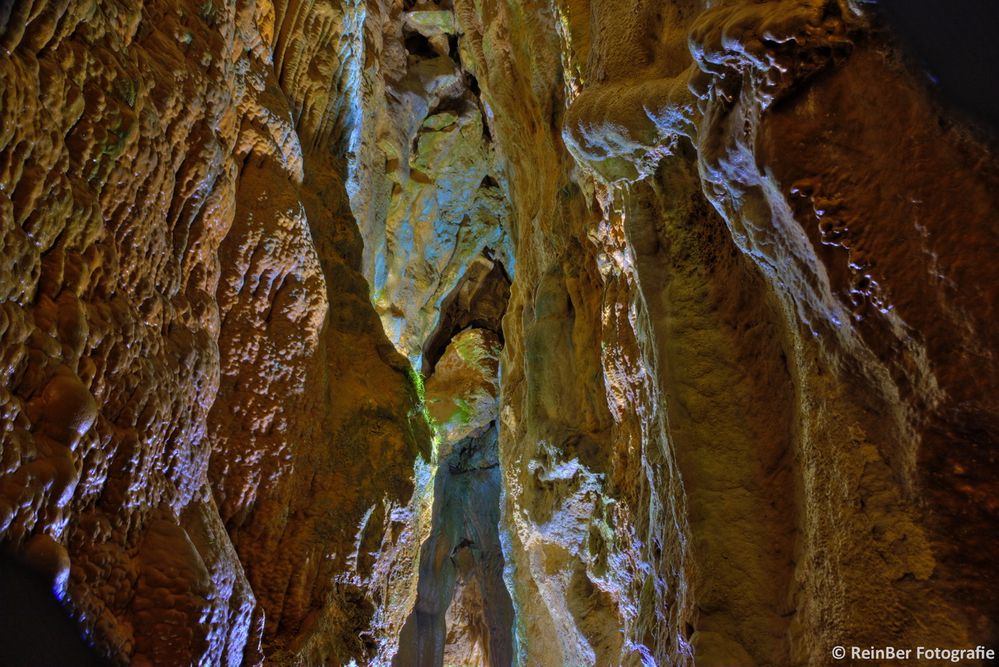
(462, 556)
(478, 300)
(35, 630)
(955, 43)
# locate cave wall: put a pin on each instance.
(209, 446)
(744, 409)
(594, 509)
(869, 207)
(424, 182)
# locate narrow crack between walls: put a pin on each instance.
(433, 214)
(463, 612)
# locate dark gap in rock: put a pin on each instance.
(465, 527)
(479, 300)
(473, 84)
(950, 42)
(35, 630)
(473, 88)
(456, 105)
(464, 544)
(418, 45)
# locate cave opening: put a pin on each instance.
(438, 269)
(463, 612)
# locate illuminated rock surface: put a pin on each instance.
(200, 407)
(703, 300)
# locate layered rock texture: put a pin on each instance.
(492, 332)
(208, 443)
(425, 181)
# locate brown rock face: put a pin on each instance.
(732, 362)
(869, 229)
(702, 295)
(202, 416)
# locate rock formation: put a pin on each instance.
(491, 332)
(208, 441)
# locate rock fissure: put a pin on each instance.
(489, 332)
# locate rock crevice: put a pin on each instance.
(490, 332)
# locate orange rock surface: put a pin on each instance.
(704, 295)
(201, 411)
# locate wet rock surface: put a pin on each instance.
(492, 332)
(193, 368)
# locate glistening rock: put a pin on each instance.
(547, 333)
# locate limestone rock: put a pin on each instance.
(463, 393)
(699, 411)
(425, 187)
(187, 340)
(703, 294)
